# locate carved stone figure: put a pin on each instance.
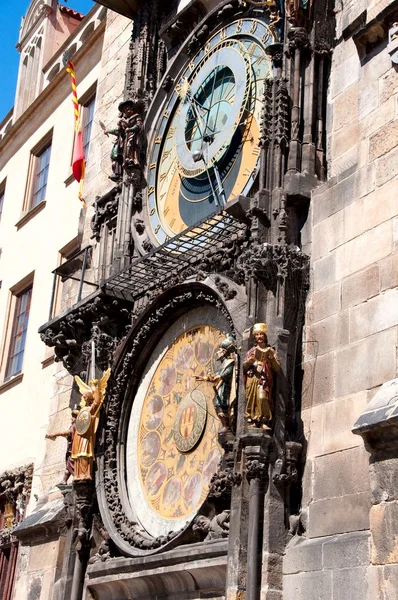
(215, 528)
(260, 363)
(86, 425)
(69, 435)
(117, 151)
(296, 8)
(134, 129)
(126, 151)
(224, 379)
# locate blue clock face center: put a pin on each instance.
(202, 133)
(211, 109)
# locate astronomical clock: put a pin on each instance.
(165, 435)
(205, 144)
(172, 445)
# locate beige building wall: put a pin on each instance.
(109, 74)
(350, 345)
(38, 400)
(30, 243)
(41, 562)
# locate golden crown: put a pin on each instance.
(259, 328)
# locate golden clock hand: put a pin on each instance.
(189, 98)
(211, 97)
(220, 185)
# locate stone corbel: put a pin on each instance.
(378, 426)
(257, 448)
(285, 471)
(179, 28)
(369, 33)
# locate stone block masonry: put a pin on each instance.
(349, 509)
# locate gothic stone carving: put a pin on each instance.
(213, 528)
(105, 210)
(177, 30)
(15, 486)
(285, 471)
(222, 482)
(105, 318)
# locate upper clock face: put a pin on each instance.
(205, 150)
(172, 445)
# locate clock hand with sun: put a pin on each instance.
(207, 138)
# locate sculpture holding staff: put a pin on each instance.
(128, 147)
(87, 420)
(224, 379)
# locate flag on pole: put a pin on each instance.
(78, 157)
(78, 161)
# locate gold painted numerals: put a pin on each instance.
(253, 27)
(182, 88)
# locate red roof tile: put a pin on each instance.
(70, 12)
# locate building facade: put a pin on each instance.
(40, 231)
(238, 278)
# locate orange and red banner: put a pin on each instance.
(78, 160)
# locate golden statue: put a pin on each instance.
(260, 363)
(93, 395)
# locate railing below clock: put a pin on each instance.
(73, 270)
(185, 250)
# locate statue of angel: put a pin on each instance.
(93, 395)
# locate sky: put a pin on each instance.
(12, 12)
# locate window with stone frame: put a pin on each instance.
(87, 123)
(65, 290)
(17, 337)
(39, 167)
(2, 194)
(40, 177)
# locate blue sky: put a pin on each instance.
(12, 12)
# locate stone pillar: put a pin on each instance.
(257, 448)
(378, 426)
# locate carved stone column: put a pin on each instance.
(84, 499)
(257, 448)
(299, 41)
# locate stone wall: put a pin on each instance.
(110, 88)
(109, 91)
(350, 345)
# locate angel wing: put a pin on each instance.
(83, 387)
(102, 384)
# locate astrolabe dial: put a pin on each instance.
(205, 147)
(173, 433)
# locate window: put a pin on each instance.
(1, 201)
(8, 562)
(14, 495)
(40, 176)
(88, 117)
(65, 291)
(18, 333)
